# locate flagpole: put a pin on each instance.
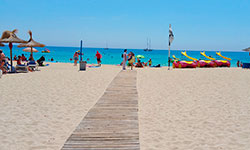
(169, 49)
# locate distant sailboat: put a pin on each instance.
(148, 45)
(106, 46)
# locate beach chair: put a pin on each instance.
(40, 61)
(1, 73)
(246, 65)
(22, 69)
(7, 66)
(32, 65)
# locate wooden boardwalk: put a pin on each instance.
(112, 124)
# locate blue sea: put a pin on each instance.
(113, 56)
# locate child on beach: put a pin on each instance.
(75, 57)
(238, 63)
(150, 62)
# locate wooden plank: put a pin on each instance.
(113, 122)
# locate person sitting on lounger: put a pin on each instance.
(40, 61)
(23, 58)
(31, 58)
(2, 61)
(19, 61)
(139, 64)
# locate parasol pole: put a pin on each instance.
(10, 46)
(31, 48)
(81, 50)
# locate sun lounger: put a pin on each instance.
(1, 73)
(32, 65)
(7, 66)
(22, 69)
(246, 65)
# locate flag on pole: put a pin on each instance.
(171, 35)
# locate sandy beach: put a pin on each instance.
(39, 110)
(178, 109)
(194, 109)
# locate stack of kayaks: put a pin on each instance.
(211, 62)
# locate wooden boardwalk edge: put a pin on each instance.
(112, 123)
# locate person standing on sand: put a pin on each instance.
(98, 57)
(124, 56)
(131, 59)
(150, 62)
(75, 57)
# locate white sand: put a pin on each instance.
(39, 110)
(194, 109)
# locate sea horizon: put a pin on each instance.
(113, 55)
(6, 45)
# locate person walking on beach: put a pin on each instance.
(131, 59)
(98, 57)
(75, 57)
(124, 56)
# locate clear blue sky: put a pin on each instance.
(197, 24)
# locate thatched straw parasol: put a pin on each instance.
(31, 43)
(247, 49)
(28, 49)
(10, 37)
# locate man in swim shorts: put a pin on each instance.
(98, 57)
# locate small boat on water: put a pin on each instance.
(148, 45)
(106, 48)
(46, 50)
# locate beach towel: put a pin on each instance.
(156, 66)
(93, 66)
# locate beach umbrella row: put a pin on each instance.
(10, 37)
